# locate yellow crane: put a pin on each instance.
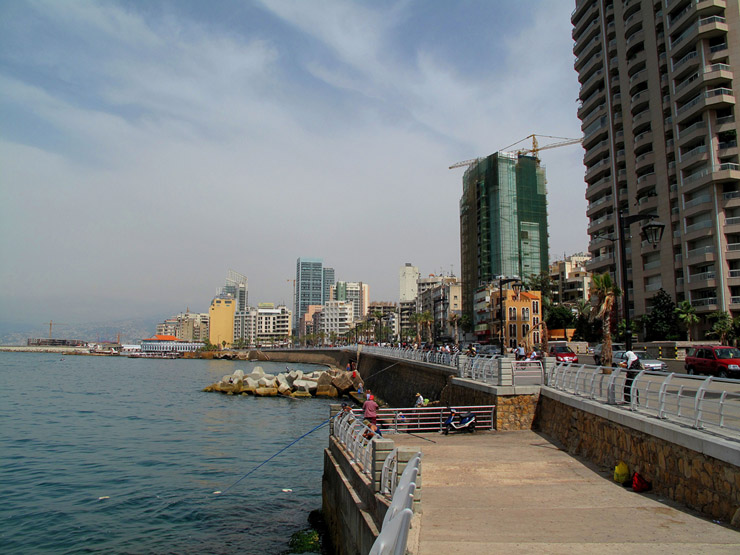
(534, 150)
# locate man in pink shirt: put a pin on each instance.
(370, 408)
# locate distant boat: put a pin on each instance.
(154, 355)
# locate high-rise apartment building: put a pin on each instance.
(503, 221)
(356, 292)
(237, 287)
(312, 284)
(407, 277)
(657, 105)
(570, 282)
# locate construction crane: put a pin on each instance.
(563, 141)
(51, 324)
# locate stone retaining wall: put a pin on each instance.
(698, 472)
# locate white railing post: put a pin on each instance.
(699, 402)
(662, 395)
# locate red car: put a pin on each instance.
(563, 353)
(714, 360)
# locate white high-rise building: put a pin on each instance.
(408, 275)
(337, 317)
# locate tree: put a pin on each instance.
(606, 292)
(686, 314)
(661, 322)
(416, 319)
(427, 319)
(454, 319)
(721, 327)
(540, 282)
(466, 323)
(560, 317)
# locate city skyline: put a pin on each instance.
(147, 148)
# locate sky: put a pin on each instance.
(146, 148)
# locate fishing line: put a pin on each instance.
(324, 423)
(421, 437)
(383, 370)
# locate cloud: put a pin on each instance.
(148, 152)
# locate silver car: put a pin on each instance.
(647, 363)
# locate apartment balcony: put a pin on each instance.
(711, 99)
(648, 202)
(600, 224)
(598, 204)
(599, 168)
(638, 78)
(636, 61)
(698, 230)
(705, 305)
(644, 138)
(639, 101)
(596, 151)
(684, 64)
(599, 188)
(700, 255)
(600, 263)
(692, 132)
(594, 99)
(586, 64)
(644, 160)
(726, 123)
(590, 47)
(634, 40)
(589, 85)
(697, 205)
(641, 118)
(697, 156)
(672, 168)
(732, 225)
(585, 27)
(597, 113)
(702, 8)
(707, 27)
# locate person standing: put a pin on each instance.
(633, 367)
(370, 410)
(520, 353)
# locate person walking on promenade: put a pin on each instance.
(520, 353)
(633, 367)
(370, 410)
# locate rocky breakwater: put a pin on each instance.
(293, 383)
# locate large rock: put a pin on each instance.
(266, 392)
(284, 389)
(238, 373)
(326, 390)
(312, 385)
(343, 382)
(266, 382)
(300, 394)
(282, 380)
(295, 375)
(249, 385)
(302, 385)
(258, 370)
(324, 379)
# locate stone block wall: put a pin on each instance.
(513, 412)
(694, 479)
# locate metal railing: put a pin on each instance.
(704, 403)
(419, 355)
(395, 528)
(356, 438)
(428, 419)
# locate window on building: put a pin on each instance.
(512, 313)
(525, 313)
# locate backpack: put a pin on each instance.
(640, 484)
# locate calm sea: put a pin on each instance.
(107, 454)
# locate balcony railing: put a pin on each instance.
(704, 276)
(701, 250)
(704, 302)
(699, 225)
(696, 201)
(690, 56)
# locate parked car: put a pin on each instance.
(645, 360)
(714, 360)
(597, 351)
(563, 353)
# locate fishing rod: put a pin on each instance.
(263, 463)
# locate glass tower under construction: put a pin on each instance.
(503, 221)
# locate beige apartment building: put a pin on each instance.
(658, 109)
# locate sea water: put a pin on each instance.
(119, 455)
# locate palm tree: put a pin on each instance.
(454, 319)
(722, 326)
(687, 314)
(416, 319)
(427, 319)
(606, 292)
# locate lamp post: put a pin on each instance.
(652, 232)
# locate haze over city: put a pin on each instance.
(149, 147)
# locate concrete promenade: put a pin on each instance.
(516, 492)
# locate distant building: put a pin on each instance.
(237, 287)
(221, 317)
(570, 282)
(390, 317)
(424, 284)
(266, 324)
(186, 326)
(168, 344)
(503, 222)
(312, 284)
(407, 277)
(306, 325)
(47, 342)
(356, 292)
(522, 313)
(336, 317)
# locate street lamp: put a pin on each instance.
(652, 232)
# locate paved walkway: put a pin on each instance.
(516, 492)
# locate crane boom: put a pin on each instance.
(564, 141)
